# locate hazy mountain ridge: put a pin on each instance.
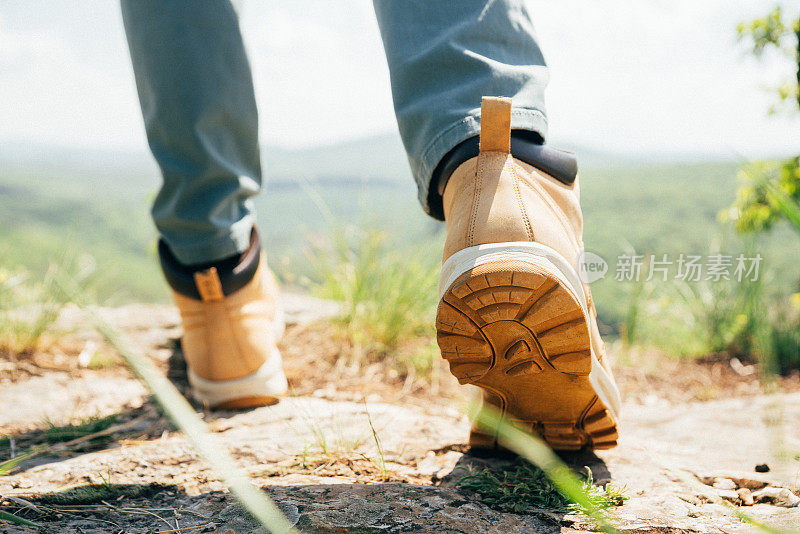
(379, 158)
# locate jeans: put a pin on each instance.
(196, 93)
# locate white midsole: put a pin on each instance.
(555, 265)
(279, 323)
(267, 381)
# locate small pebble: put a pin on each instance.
(746, 496)
(777, 496)
(724, 484)
(762, 468)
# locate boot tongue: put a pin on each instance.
(495, 124)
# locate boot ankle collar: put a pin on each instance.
(526, 146)
(233, 273)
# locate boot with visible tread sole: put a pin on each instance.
(514, 318)
(521, 336)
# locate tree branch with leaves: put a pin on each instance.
(770, 191)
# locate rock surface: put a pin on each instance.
(320, 460)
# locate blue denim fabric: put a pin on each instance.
(444, 55)
(196, 92)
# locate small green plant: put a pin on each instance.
(328, 441)
(29, 307)
(27, 311)
(523, 486)
(388, 296)
(381, 463)
(333, 446)
(60, 433)
(533, 449)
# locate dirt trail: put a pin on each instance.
(314, 453)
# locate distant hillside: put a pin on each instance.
(54, 201)
(380, 158)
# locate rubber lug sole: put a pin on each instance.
(253, 401)
(520, 334)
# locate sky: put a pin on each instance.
(629, 76)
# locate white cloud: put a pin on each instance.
(50, 93)
(319, 70)
(648, 75)
(659, 75)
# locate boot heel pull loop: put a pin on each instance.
(495, 124)
(209, 285)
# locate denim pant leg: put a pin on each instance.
(443, 57)
(196, 93)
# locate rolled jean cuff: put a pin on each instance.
(470, 126)
(236, 242)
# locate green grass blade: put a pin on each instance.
(11, 518)
(8, 465)
(181, 414)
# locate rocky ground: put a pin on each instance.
(692, 436)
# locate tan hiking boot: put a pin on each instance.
(230, 333)
(514, 318)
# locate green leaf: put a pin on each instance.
(11, 518)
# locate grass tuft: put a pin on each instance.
(27, 310)
(389, 296)
(29, 307)
(60, 433)
(730, 318)
(96, 493)
(523, 487)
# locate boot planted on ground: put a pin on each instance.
(232, 321)
(514, 318)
